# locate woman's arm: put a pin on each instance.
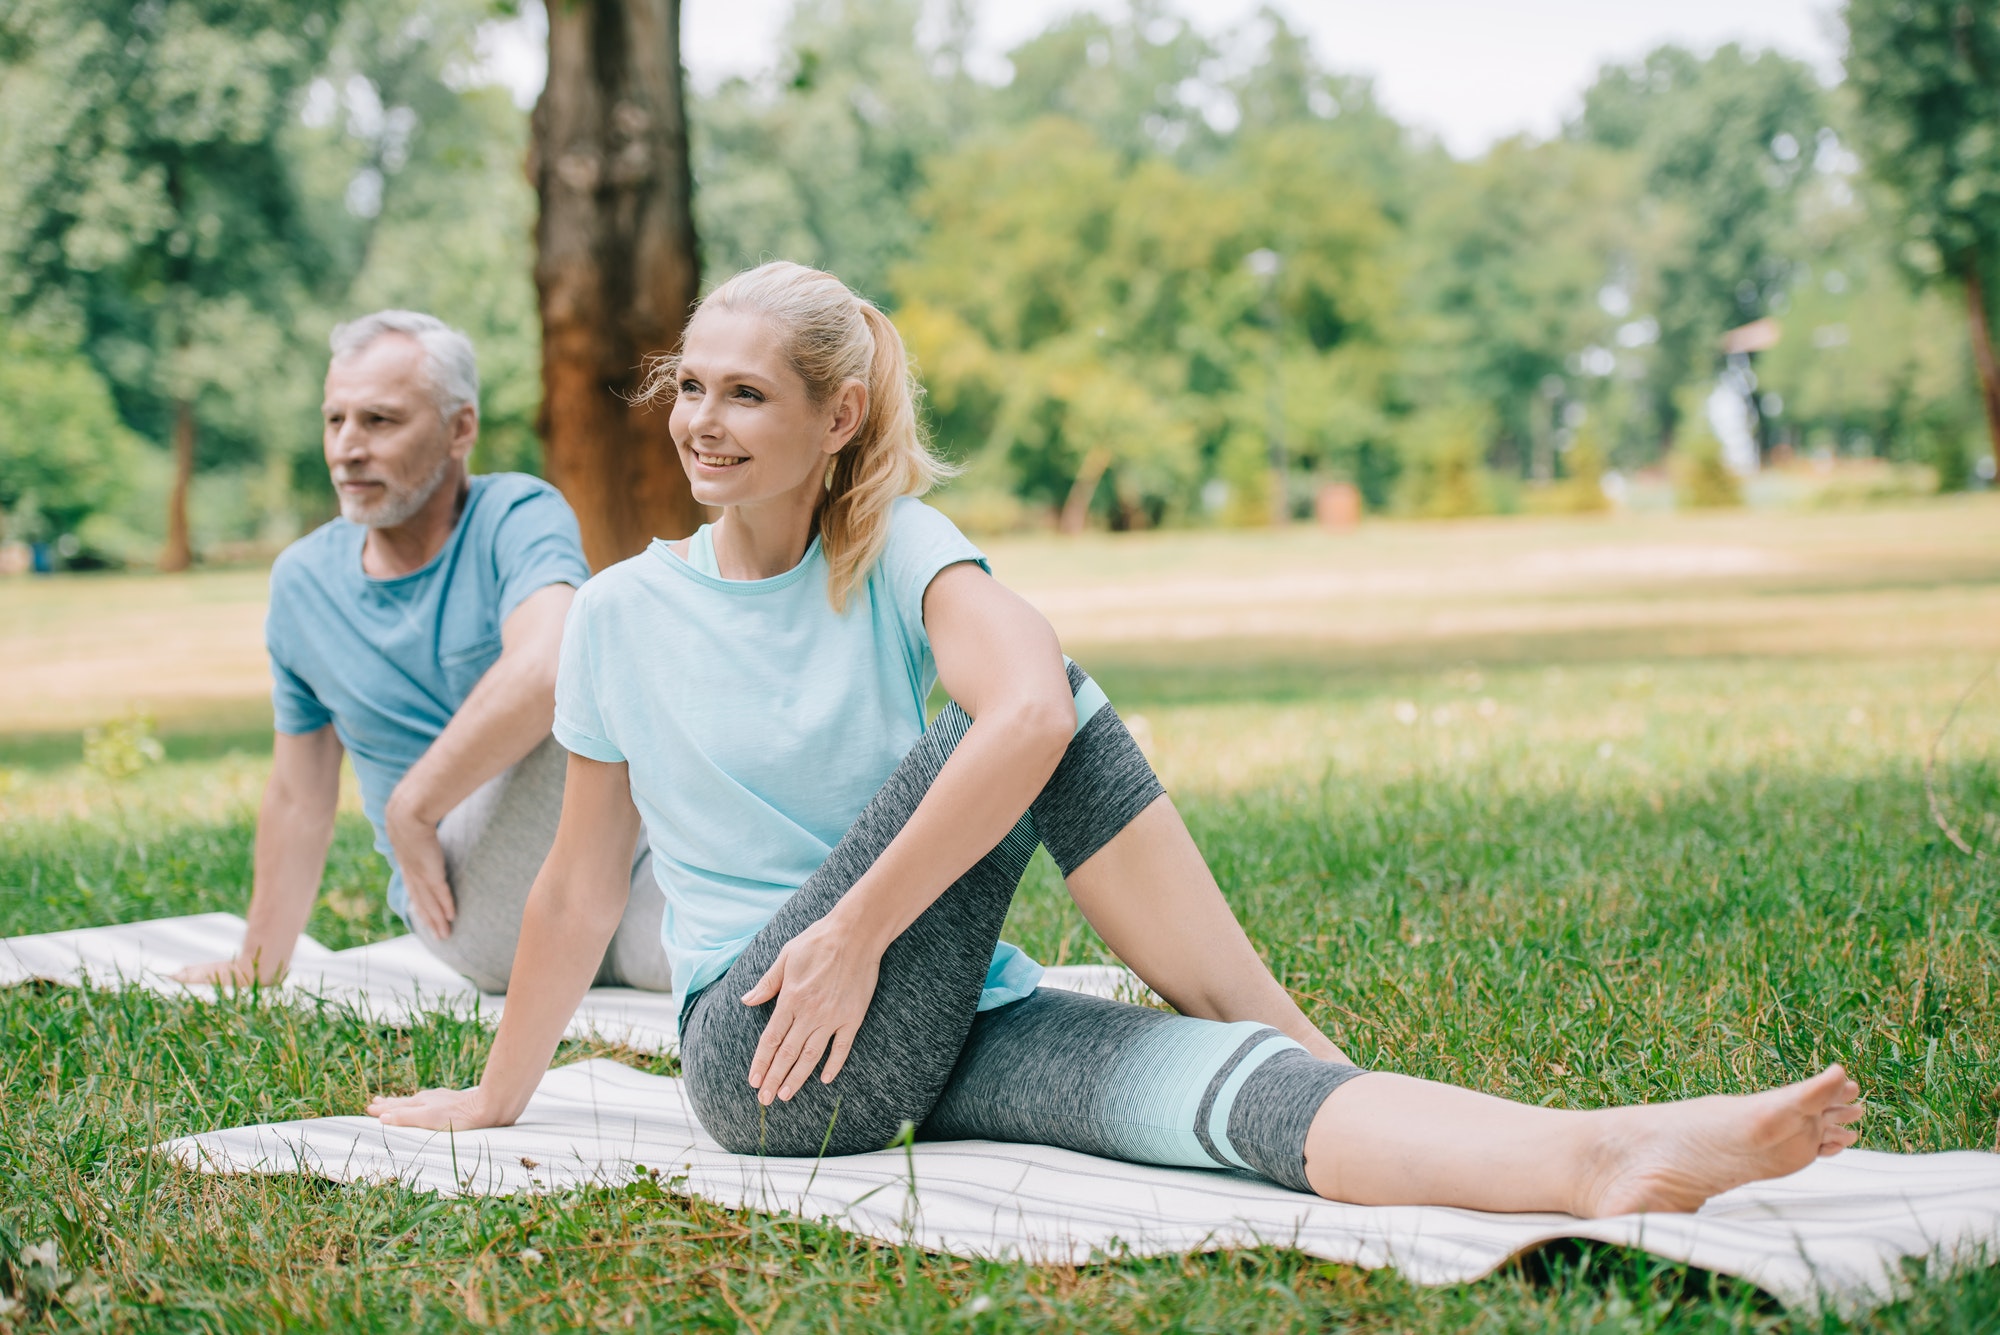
(572, 912)
(999, 660)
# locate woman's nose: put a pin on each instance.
(705, 421)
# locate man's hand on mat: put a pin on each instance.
(435, 1109)
(233, 972)
(420, 858)
(823, 981)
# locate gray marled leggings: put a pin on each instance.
(494, 844)
(1057, 1068)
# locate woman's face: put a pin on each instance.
(745, 427)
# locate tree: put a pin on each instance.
(1530, 266)
(616, 265)
(1726, 144)
(146, 200)
(819, 160)
(1927, 74)
(1083, 319)
(64, 455)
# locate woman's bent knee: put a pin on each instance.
(864, 1108)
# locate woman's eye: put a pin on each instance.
(745, 392)
(690, 387)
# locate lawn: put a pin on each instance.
(1573, 811)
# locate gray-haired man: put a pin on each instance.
(418, 634)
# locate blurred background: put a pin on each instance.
(1162, 265)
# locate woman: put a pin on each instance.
(756, 691)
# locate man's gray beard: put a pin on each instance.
(396, 507)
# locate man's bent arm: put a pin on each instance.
(508, 713)
(294, 830)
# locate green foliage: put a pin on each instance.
(1926, 73)
(1927, 76)
(1865, 360)
(1580, 490)
(1444, 474)
(64, 454)
(147, 198)
(821, 162)
(1516, 249)
(124, 746)
(1725, 147)
(320, 163)
(1075, 312)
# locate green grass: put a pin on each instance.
(1598, 879)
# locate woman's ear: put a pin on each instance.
(850, 409)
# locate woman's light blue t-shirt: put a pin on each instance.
(756, 722)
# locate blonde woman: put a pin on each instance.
(836, 874)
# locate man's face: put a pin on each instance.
(386, 446)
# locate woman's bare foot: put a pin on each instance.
(1674, 1156)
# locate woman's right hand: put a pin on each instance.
(438, 1110)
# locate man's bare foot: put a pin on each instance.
(1674, 1156)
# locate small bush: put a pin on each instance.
(124, 746)
(1701, 480)
(1580, 490)
(1444, 469)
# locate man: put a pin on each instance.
(418, 634)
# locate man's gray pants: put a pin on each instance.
(494, 845)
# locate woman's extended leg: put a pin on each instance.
(1129, 1082)
(1394, 1140)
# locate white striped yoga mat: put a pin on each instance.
(389, 982)
(1835, 1234)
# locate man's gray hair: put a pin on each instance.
(449, 364)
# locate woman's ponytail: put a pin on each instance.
(888, 458)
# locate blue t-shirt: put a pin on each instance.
(388, 661)
(756, 722)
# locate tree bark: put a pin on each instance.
(1076, 509)
(178, 554)
(616, 266)
(1982, 353)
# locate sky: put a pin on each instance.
(1471, 72)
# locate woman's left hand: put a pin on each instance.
(823, 980)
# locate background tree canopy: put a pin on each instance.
(1158, 277)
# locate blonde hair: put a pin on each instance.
(832, 336)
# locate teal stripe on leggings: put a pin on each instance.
(1150, 1103)
(1225, 1098)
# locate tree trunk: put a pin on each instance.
(1982, 353)
(178, 554)
(1076, 509)
(615, 266)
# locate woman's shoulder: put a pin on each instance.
(619, 583)
(922, 541)
(917, 526)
